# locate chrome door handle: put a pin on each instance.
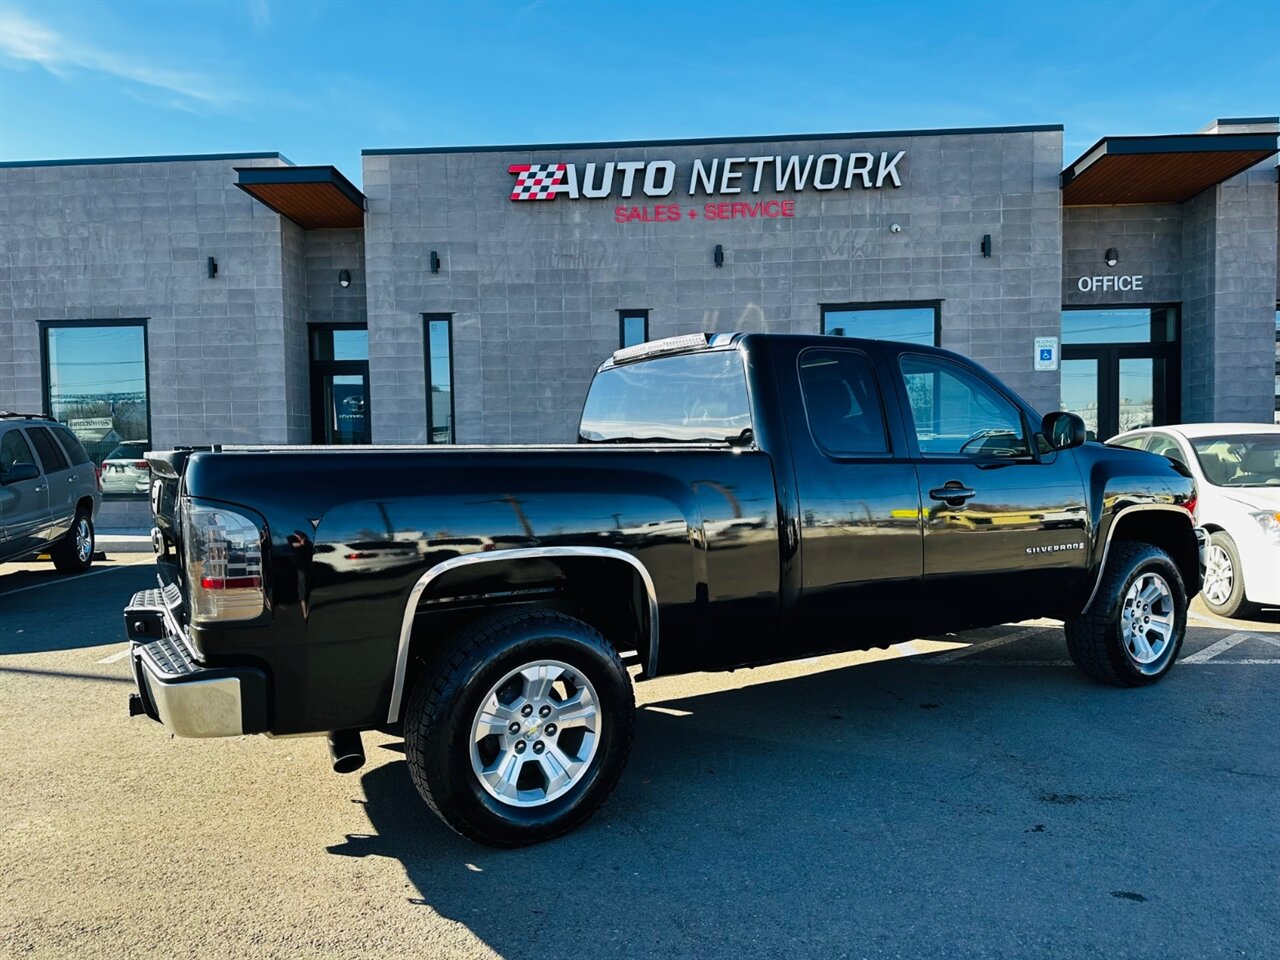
(73, 478)
(953, 493)
(42, 488)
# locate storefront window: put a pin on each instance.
(1277, 418)
(633, 327)
(439, 342)
(904, 322)
(96, 383)
(1124, 325)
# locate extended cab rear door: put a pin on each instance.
(858, 523)
(1005, 521)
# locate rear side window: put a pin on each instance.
(75, 449)
(14, 450)
(1167, 447)
(695, 397)
(842, 402)
(50, 453)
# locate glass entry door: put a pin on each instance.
(1115, 389)
(1120, 368)
(340, 385)
(340, 414)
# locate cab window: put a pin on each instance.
(958, 414)
(842, 402)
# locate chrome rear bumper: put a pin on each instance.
(190, 699)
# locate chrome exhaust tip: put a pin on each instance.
(346, 751)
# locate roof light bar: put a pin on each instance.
(654, 347)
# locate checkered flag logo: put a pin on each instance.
(535, 181)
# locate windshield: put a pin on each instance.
(682, 399)
(1243, 460)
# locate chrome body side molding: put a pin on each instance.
(527, 553)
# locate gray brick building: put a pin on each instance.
(467, 295)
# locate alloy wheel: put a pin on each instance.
(1147, 619)
(1219, 576)
(84, 540)
(535, 733)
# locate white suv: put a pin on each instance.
(49, 493)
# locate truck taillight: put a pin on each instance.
(224, 564)
(1191, 504)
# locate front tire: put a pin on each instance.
(520, 730)
(1223, 588)
(1131, 635)
(74, 552)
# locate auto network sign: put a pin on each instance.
(730, 176)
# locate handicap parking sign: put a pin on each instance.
(1045, 353)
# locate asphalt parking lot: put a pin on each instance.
(970, 798)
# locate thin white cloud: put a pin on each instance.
(24, 42)
(260, 14)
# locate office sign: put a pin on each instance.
(1123, 284)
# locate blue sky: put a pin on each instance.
(318, 81)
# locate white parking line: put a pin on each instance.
(118, 655)
(980, 646)
(54, 583)
(1222, 646)
(1068, 663)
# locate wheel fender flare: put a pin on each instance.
(526, 553)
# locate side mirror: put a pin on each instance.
(1063, 430)
(19, 472)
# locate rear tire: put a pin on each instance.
(479, 737)
(1131, 635)
(1223, 587)
(74, 552)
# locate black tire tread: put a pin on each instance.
(1089, 634)
(440, 682)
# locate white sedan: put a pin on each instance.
(1237, 472)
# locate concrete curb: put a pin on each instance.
(113, 541)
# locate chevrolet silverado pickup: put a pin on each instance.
(732, 500)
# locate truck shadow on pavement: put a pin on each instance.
(894, 807)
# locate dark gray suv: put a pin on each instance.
(49, 493)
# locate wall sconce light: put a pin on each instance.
(435, 262)
(1112, 256)
(213, 268)
(344, 278)
(718, 255)
(895, 228)
(985, 246)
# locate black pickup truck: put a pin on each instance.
(733, 499)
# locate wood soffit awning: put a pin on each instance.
(1125, 170)
(312, 197)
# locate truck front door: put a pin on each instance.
(1005, 522)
